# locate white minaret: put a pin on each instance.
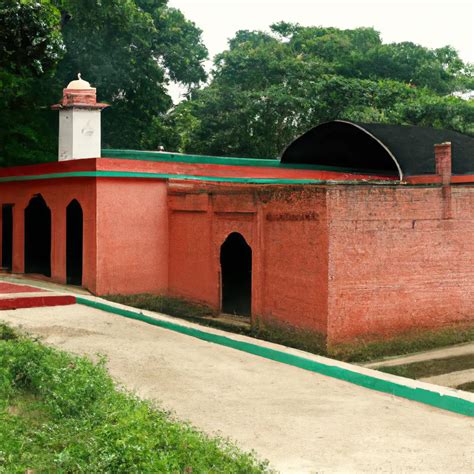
(79, 122)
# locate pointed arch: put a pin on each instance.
(38, 237)
(236, 275)
(74, 243)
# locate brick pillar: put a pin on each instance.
(443, 169)
(443, 162)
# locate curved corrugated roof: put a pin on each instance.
(372, 147)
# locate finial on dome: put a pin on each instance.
(79, 83)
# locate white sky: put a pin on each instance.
(431, 23)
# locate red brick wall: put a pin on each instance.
(132, 236)
(396, 263)
(295, 259)
(57, 193)
(286, 230)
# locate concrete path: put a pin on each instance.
(301, 421)
(442, 353)
(452, 379)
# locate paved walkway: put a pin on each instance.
(301, 421)
(451, 379)
(441, 353)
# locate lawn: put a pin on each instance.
(63, 413)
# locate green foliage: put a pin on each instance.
(61, 413)
(30, 40)
(128, 49)
(268, 88)
(30, 46)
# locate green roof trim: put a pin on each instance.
(217, 179)
(168, 157)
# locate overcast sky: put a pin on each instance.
(431, 23)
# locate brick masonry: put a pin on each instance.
(345, 261)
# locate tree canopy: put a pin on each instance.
(267, 88)
(128, 49)
(31, 45)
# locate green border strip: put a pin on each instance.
(435, 399)
(219, 179)
(159, 156)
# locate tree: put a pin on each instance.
(267, 88)
(30, 47)
(129, 50)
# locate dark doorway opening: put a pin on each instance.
(7, 236)
(236, 274)
(74, 232)
(38, 237)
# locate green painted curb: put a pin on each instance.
(445, 402)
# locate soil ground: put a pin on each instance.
(300, 421)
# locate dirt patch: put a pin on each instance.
(51, 331)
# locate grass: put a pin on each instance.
(429, 368)
(277, 332)
(62, 413)
(359, 351)
(179, 307)
(165, 304)
(467, 387)
(414, 341)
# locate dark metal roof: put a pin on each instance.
(391, 149)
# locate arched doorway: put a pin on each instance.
(38, 237)
(74, 232)
(236, 275)
(7, 237)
